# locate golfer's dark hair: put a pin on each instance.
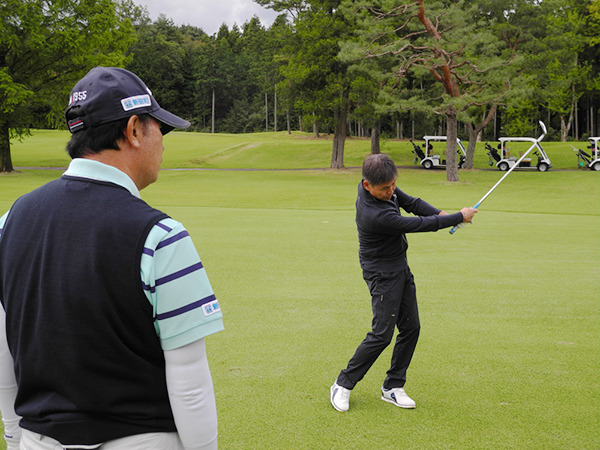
(378, 169)
(88, 141)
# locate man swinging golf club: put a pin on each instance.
(382, 252)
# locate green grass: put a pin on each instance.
(263, 151)
(509, 354)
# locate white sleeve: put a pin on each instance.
(192, 395)
(8, 390)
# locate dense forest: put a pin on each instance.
(398, 69)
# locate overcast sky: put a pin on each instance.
(209, 14)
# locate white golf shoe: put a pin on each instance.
(398, 397)
(340, 397)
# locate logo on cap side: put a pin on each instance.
(138, 101)
(75, 125)
(77, 96)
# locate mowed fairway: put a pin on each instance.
(509, 354)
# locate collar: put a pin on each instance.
(95, 170)
(366, 195)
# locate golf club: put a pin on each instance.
(460, 225)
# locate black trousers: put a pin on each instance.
(394, 304)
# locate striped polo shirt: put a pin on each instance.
(172, 276)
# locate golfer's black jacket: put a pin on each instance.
(88, 363)
(382, 228)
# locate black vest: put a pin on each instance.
(88, 363)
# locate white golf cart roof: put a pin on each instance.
(438, 138)
(517, 139)
(445, 138)
(527, 139)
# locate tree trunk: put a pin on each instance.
(375, 135)
(266, 112)
(339, 137)
(565, 127)
(474, 132)
(212, 123)
(452, 134)
(275, 109)
(5, 159)
(400, 130)
(574, 107)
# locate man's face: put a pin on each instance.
(152, 150)
(383, 191)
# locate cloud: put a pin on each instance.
(209, 14)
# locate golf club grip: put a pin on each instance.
(455, 227)
(460, 225)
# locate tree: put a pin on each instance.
(45, 47)
(312, 69)
(292, 7)
(474, 129)
(561, 74)
(449, 41)
(280, 33)
(553, 41)
(160, 60)
(260, 48)
(592, 57)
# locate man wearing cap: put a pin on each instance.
(106, 303)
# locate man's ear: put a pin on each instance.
(366, 185)
(133, 131)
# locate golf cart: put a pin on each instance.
(428, 160)
(593, 160)
(505, 161)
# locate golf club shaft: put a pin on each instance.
(456, 227)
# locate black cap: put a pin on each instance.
(107, 94)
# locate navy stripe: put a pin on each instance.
(179, 274)
(163, 226)
(186, 308)
(148, 288)
(173, 239)
(148, 251)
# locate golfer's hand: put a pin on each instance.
(468, 214)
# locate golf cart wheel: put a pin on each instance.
(596, 166)
(427, 164)
(543, 167)
(503, 166)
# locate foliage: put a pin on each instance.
(519, 117)
(450, 44)
(159, 58)
(237, 66)
(534, 60)
(45, 46)
(319, 81)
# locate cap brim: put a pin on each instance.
(169, 119)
